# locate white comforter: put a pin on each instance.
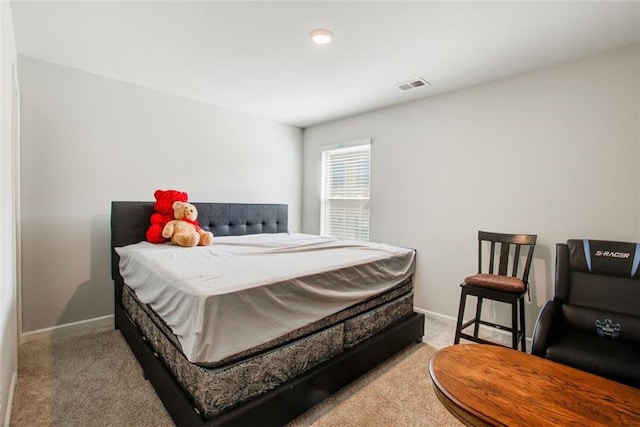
(244, 291)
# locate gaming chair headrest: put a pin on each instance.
(605, 257)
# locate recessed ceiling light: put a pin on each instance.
(321, 36)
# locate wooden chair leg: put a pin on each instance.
(476, 326)
(463, 300)
(514, 324)
(523, 339)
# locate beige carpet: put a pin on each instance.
(397, 393)
(92, 379)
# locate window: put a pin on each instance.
(345, 190)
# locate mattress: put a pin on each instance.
(217, 389)
(132, 303)
(248, 292)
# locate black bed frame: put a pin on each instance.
(129, 221)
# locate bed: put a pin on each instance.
(280, 372)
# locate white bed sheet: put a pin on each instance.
(244, 291)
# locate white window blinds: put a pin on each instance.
(345, 190)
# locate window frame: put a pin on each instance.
(353, 190)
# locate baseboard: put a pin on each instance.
(451, 321)
(12, 387)
(68, 328)
(443, 318)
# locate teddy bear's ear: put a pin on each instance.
(176, 204)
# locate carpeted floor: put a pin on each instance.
(89, 379)
(92, 379)
(397, 393)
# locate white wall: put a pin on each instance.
(553, 152)
(8, 304)
(88, 140)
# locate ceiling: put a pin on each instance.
(257, 58)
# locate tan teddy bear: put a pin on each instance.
(184, 229)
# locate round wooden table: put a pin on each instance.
(496, 386)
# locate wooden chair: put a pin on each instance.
(498, 285)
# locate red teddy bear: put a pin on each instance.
(164, 212)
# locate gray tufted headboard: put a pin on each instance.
(130, 220)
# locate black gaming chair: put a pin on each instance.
(593, 321)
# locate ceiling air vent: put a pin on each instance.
(412, 84)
